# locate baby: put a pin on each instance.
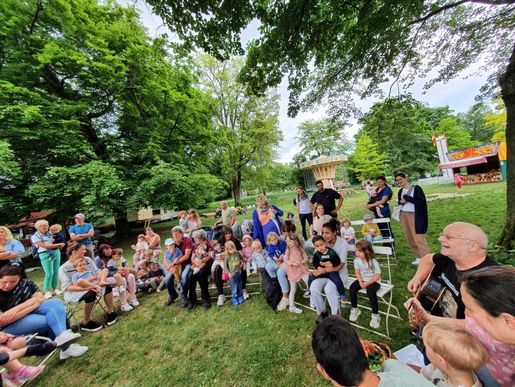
(259, 256)
(454, 354)
(139, 249)
(86, 279)
(372, 200)
(196, 262)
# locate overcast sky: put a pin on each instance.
(458, 93)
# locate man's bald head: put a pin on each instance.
(472, 232)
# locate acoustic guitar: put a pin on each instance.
(428, 295)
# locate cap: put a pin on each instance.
(80, 215)
(154, 261)
(367, 217)
(177, 229)
(169, 242)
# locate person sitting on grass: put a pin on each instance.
(370, 230)
(454, 355)
(13, 348)
(156, 277)
(25, 311)
(75, 294)
(368, 274)
(341, 359)
(233, 263)
(142, 275)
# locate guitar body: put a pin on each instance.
(428, 294)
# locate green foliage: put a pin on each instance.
(475, 122)
(325, 137)
(457, 138)
(497, 121)
(366, 161)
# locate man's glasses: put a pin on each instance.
(451, 237)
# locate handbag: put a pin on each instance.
(396, 214)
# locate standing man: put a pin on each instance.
(82, 233)
(327, 197)
(228, 218)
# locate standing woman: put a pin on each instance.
(266, 218)
(10, 249)
(414, 219)
(154, 241)
(305, 210)
(50, 256)
(384, 194)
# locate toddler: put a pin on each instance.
(233, 263)
(454, 354)
(259, 256)
(217, 256)
(155, 277)
(347, 232)
(142, 274)
(370, 230)
(139, 249)
(325, 259)
(197, 262)
(247, 254)
(368, 274)
(296, 261)
(119, 266)
(376, 209)
(86, 279)
(276, 249)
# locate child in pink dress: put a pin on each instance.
(296, 261)
(247, 254)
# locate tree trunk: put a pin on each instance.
(507, 82)
(236, 189)
(121, 224)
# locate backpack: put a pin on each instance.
(273, 292)
(247, 227)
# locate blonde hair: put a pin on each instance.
(345, 220)
(271, 235)
(229, 244)
(256, 244)
(118, 251)
(454, 344)
(8, 233)
(140, 236)
(77, 261)
(56, 227)
(39, 223)
(262, 199)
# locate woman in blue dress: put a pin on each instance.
(266, 218)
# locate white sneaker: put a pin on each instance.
(295, 310)
(245, 294)
(416, 262)
(67, 337)
(126, 308)
(354, 314)
(221, 300)
(75, 350)
(57, 292)
(375, 321)
(134, 303)
(48, 295)
(283, 304)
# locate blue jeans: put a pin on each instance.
(283, 280)
(48, 318)
(235, 282)
(169, 285)
(485, 378)
(373, 239)
(271, 268)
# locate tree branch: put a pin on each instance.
(35, 19)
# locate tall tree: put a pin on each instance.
(322, 137)
(89, 104)
(335, 50)
(473, 121)
(367, 161)
(457, 137)
(246, 126)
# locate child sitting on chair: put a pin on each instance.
(454, 354)
(370, 230)
(247, 255)
(139, 249)
(259, 255)
(347, 232)
(217, 256)
(86, 279)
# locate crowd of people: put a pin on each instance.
(468, 334)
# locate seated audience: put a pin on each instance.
(259, 255)
(275, 268)
(338, 244)
(74, 293)
(370, 230)
(200, 270)
(342, 361)
(233, 263)
(119, 265)
(25, 311)
(172, 272)
(10, 249)
(347, 232)
(185, 245)
(194, 222)
(464, 248)
(319, 219)
(225, 235)
(139, 249)
(454, 355)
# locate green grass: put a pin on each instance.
(249, 345)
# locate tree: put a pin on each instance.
(457, 138)
(367, 161)
(497, 121)
(89, 104)
(335, 50)
(325, 137)
(473, 121)
(246, 126)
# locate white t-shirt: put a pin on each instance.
(304, 205)
(366, 272)
(347, 232)
(408, 207)
(46, 238)
(341, 248)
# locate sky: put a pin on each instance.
(458, 93)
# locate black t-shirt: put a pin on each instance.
(326, 198)
(17, 295)
(451, 304)
(330, 256)
(157, 273)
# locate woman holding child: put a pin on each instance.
(266, 219)
(10, 249)
(200, 270)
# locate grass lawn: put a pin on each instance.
(248, 345)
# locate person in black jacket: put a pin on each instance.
(414, 219)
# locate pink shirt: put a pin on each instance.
(296, 256)
(501, 359)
